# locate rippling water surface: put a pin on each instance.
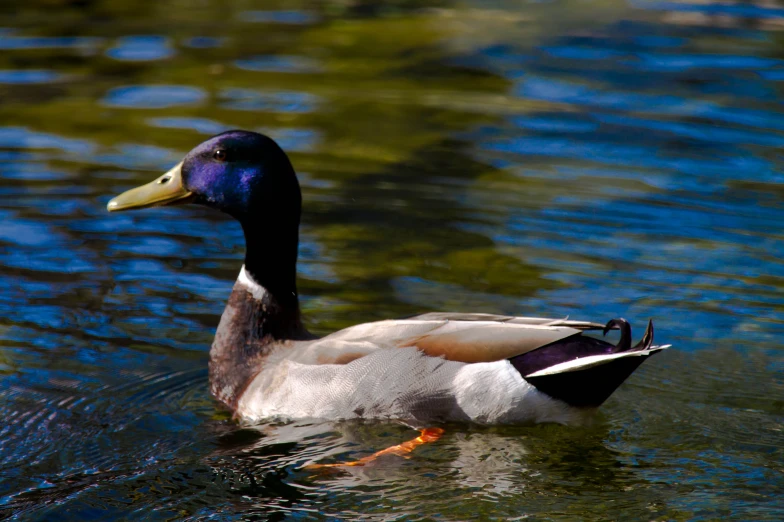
(591, 159)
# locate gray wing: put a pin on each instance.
(541, 321)
(468, 338)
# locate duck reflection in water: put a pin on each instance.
(270, 466)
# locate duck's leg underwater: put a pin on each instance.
(426, 435)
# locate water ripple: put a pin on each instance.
(279, 17)
(11, 42)
(201, 125)
(279, 63)
(153, 96)
(141, 48)
(272, 101)
(28, 76)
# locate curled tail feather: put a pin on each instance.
(583, 371)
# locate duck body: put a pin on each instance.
(436, 367)
(372, 370)
(401, 384)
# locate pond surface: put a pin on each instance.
(589, 159)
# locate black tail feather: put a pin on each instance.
(647, 338)
(625, 341)
(588, 387)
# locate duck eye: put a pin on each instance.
(220, 155)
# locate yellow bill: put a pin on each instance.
(166, 190)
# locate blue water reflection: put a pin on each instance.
(31, 76)
(294, 140)
(201, 125)
(153, 96)
(204, 42)
(10, 41)
(278, 63)
(739, 10)
(141, 48)
(22, 138)
(279, 17)
(272, 101)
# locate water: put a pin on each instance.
(589, 159)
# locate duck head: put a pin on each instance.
(248, 176)
(241, 173)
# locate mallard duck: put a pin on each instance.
(431, 368)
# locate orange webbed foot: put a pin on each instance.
(426, 435)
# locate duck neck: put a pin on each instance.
(271, 262)
(262, 312)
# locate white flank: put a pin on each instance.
(584, 363)
(403, 384)
(257, 291)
